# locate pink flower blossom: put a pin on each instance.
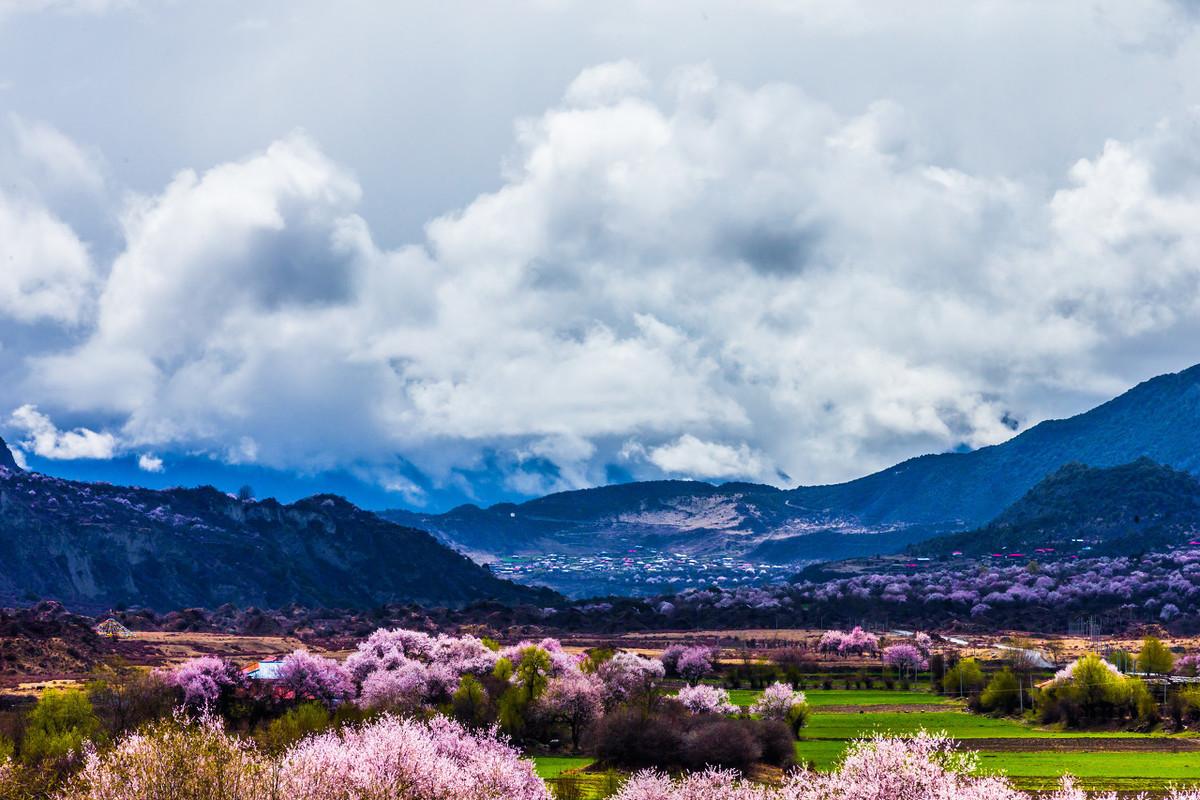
(906, 658)
(628, 676)
(393, 757)
(694, 663)
(575, 699)
(205, 680)
(704, 699)
(776, 701)
(315, 677)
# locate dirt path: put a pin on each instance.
(1083, 744)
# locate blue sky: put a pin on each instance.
(423, 254)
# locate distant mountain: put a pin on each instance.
(880, 513)
(1133, 508)
(94, 545)
(741, 520)
(1158, 419)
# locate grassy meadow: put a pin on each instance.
(1033, 758)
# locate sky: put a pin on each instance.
(430, 253)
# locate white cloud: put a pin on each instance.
(42, 438)
(8, 7)
(45, 270)
(55, 157)
(690, 456)
(606, 83)
(19, 457)
(148, 462)
(745, 281)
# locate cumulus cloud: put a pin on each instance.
(148, 462)
(46, 272)
(724, 281)
(690, 456)
(42, 438)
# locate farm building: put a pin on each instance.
(263, 671)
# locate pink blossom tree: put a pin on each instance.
(398, 758)
(694, 663)
(859, 642)
(630, 678)
(575, 699)
(905, 658)
(670, 657)
(206, 680)
(386, 759)
(777, 701)
(831, 642)
(703, 699)
(315, 677)
(175, 759)
(402, 690)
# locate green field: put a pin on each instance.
(829, 732)
(850, 697)
(827, 735)
(554, 766)
(959, 724)
(1095, 771)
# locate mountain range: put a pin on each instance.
(884, 512)
(1125, 510)
(93, 546)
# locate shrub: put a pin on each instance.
(1123, 660)
(595, 657)
(1090, 691)
(777, 742)
(965, 677)
(727, 744)
(297, 723)
(58, 726)
(629, 738)
(125, 698)
(797, 718)
(1190, 698)
(1003, 693)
